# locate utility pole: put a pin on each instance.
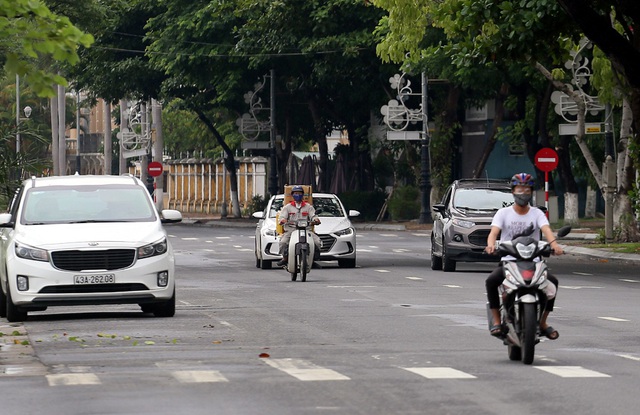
(78, 157)
(425, 159)
(107, 137)
(273, 175)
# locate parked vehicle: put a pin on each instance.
(336, 231)
(85, 240)
(524, 293)
(463, 220)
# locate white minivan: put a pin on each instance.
(85, 240)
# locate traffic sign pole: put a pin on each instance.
(546, 159)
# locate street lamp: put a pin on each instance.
(27, 113)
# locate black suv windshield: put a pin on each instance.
(482, 199)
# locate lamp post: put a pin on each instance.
(398, 117)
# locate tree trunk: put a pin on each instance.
(321, 138)
(229, 162)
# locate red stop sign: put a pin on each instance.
(546, 159)
(154, 168)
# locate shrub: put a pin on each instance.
(405, 203)
(368, 203)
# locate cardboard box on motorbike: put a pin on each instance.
(288, 198)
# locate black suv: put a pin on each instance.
(463, 220)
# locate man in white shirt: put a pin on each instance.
(510, 221)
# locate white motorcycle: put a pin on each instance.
(301, 250)
(524, 293)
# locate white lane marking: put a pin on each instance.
(66, 379)
(373, 247)
(439, 372)
(452, 286)
(189, 239)
(352, 286)
(389, 234)
(421, 234)
(401, 250)
(576, 287)
(382, 270)
(572, 372)
(304, 370)
(363, 250)
(414, 278)
(613, 319)
(626, 280)
(630, 357)
(198, 376)
(223, 237)
(581, 273)
(245, 250)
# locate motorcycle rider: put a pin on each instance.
(510, 221)
(297, 209)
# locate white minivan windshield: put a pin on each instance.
(86, 204)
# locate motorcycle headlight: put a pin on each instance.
(150, 250)
(525, 251)
(344, 232)
(28, 252)
(463, 223)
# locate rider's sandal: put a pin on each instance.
(550, 333)
(496, 330)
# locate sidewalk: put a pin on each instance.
(574, 243)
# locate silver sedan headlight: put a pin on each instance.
(347, 231)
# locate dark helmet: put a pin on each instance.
(297, 188)
(522, 179)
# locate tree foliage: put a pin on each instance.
(31, 35)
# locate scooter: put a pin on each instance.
(524, 293)
(301, 250)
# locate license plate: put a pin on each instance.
(94, 279)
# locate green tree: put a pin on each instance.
(30, 34)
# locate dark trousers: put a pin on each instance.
(494, 280)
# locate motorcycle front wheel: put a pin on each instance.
(303, 265)
(529, 330)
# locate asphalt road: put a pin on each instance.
(388, 337)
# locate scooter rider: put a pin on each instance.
(508, 222)
(298, 209)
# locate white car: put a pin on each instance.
(85, 240)
(336, 232)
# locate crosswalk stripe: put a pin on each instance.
(572, 372)
(198, 376)
(304, 370)
(439, 373)
(67, 379)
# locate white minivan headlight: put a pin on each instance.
(150, 250)
(29, 252)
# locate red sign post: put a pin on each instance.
(546, 160)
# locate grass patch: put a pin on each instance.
(622, 248)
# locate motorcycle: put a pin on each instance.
(301, 250)
(524, 293)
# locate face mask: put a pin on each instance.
(297, 197)
(522, 199)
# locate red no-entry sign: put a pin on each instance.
(154, 169)
(546, 159)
